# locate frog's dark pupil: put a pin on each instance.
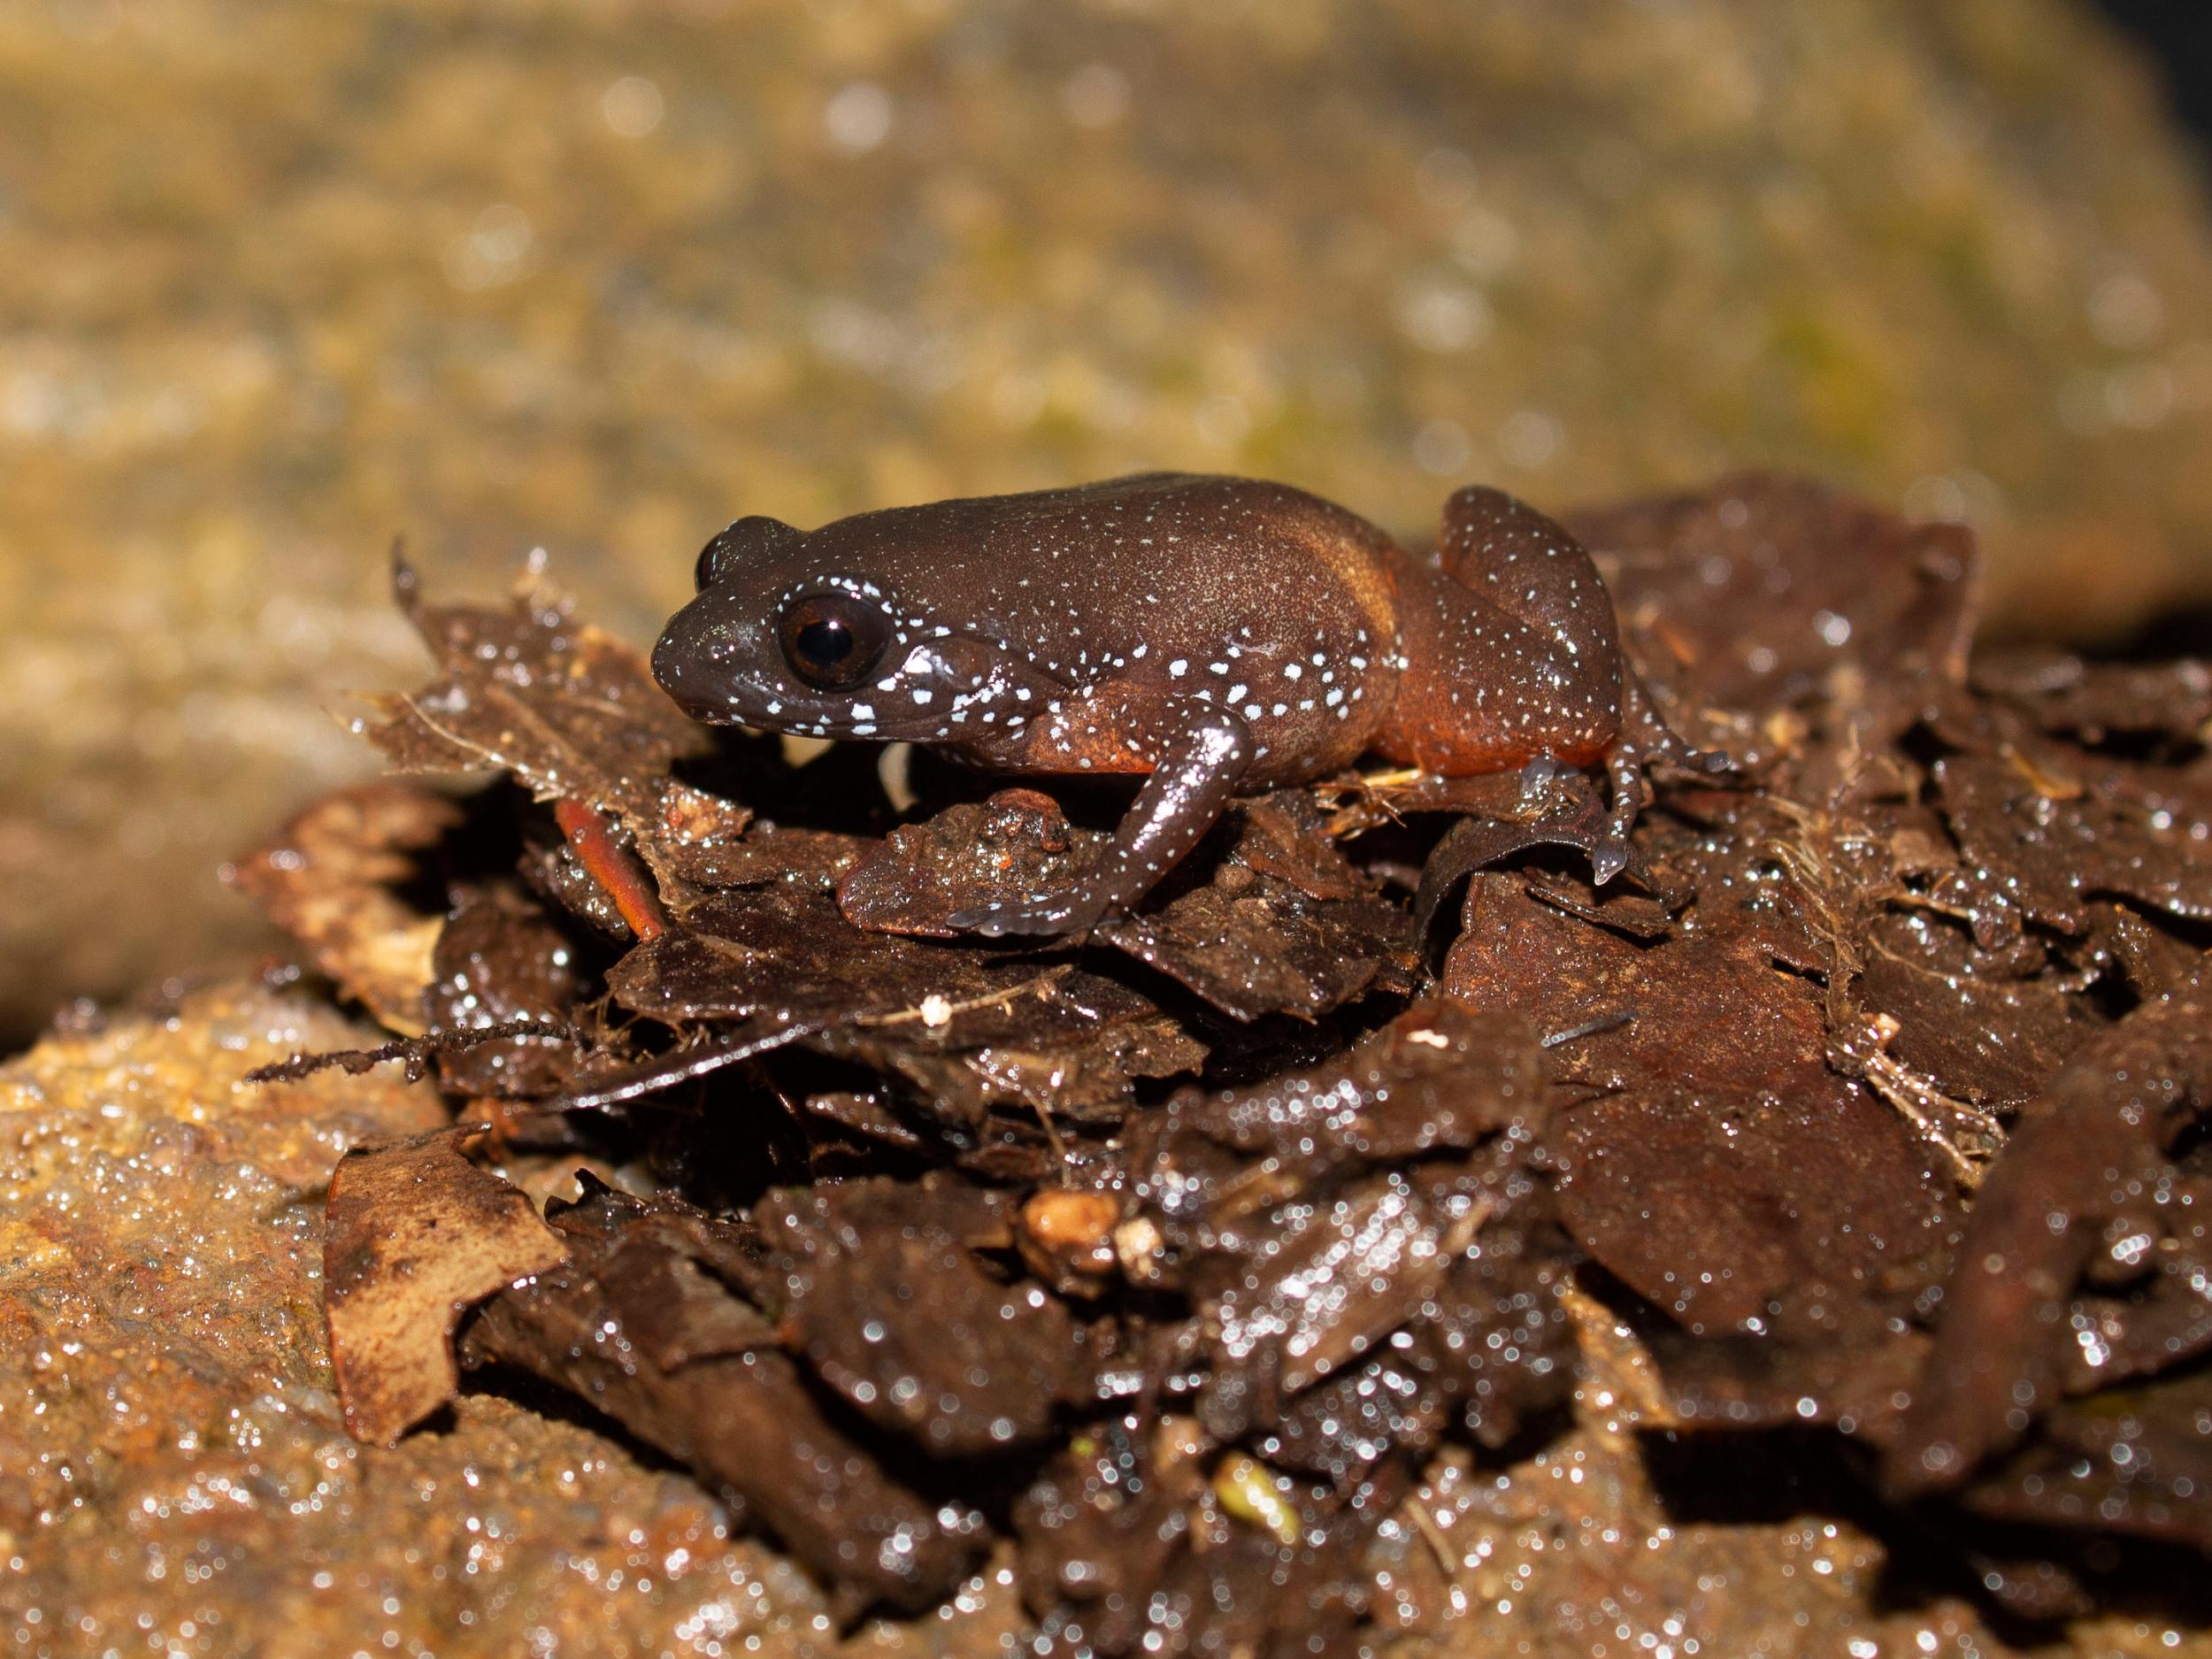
(833, 640)
(824, 645)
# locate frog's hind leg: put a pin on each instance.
(1645, 738)
(1516, 561)
(1510, 653)
(1531, 568)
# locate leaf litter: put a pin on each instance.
(1869, 1110)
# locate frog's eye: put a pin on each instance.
(834, 640)
(751, 538)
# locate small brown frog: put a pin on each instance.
(1220, 634)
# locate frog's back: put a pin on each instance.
(1164, 559)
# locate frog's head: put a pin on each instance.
(804, 633)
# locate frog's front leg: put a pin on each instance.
(1194, 774)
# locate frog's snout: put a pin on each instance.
(683, 662)
(671, 661)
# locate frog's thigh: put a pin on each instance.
(1529, 568)
(1484, 691)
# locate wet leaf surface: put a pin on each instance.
(2134, 1461)
(1066, 1043)
(1768, 596)
(2088, 1171)
(883, 1297)
(743, 1419)
(559, 706)
(1980, 1028)
(1016, 843)
(971, 1030)
(1817, 1218)
(1699, 1011)
(1253, 945)
(2093, 701)
(785, 952)
(501, 958)
(1866, 1105)
(1397, 1196)
(2062, 827)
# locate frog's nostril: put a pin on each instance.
(666, 665)
(694, 667)
(671, 657)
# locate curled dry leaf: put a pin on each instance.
(333, 880)
(413, 1235)
(560, 706)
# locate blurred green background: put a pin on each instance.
(280, 281)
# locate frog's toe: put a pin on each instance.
(1624, 775)
(1608, 859)
(995, 921)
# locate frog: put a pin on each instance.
(1215, 636)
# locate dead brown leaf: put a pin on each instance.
(413, 1235)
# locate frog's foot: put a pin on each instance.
(1645, 740)
(1609, 854)
(1536, 774)
(1624, 773)
(1075, 911)
(1645, 733)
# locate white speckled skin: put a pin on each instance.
(1143, 594)
(1221, 634)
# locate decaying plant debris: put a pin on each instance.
(1870, 1107)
